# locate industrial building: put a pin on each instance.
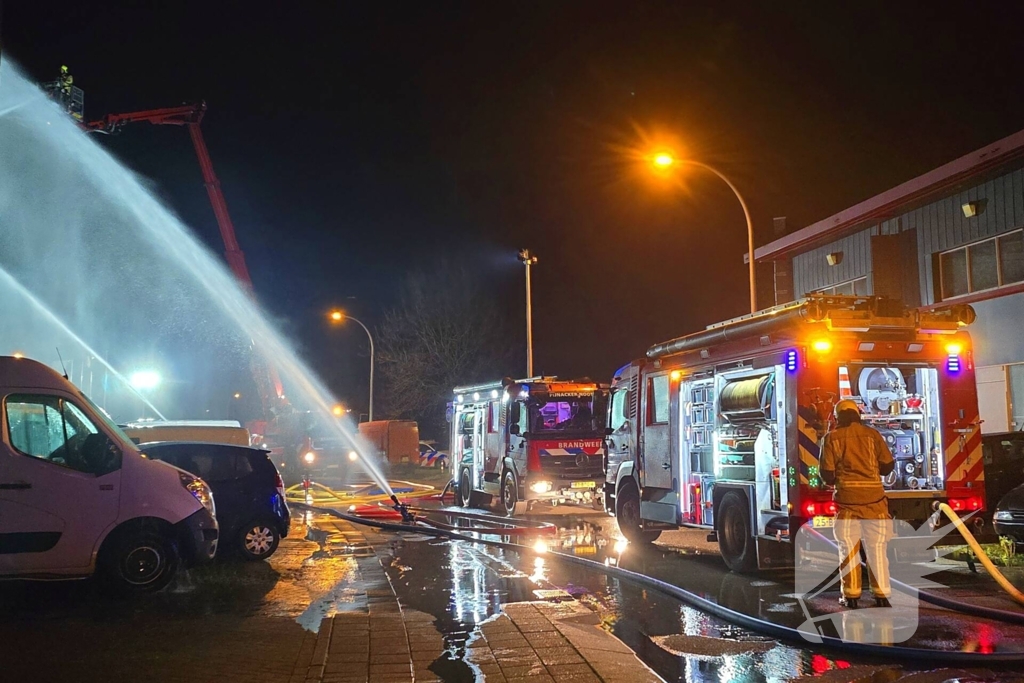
(952, 235)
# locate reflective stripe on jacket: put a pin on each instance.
(855, 457)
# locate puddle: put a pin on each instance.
(462, 585)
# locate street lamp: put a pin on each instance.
(337, 316)
(664, 160)
(143, 381)
(528, 259)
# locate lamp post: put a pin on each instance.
(338, 317)
(663, 160)
(529, 260)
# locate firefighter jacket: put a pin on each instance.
(855, 458)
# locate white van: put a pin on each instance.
(77, 497)
(196, 431)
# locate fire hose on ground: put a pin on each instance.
(750, 623)
(994, 613)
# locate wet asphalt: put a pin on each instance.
(58, 629)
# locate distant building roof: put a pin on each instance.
(888, 203)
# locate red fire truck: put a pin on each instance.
(721, 429)
(528, 440)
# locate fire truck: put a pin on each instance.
(528, 440)
(722, 429)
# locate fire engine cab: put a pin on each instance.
(528, 440)
(722, 429)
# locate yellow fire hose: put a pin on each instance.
(981, 555)
(321, 493)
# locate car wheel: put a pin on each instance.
(735, 539)
(258, 540)
(511, 506)
(627, 512)
(142, 562)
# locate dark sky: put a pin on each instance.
(355, 141)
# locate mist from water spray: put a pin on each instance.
(85, 232)
(52, 317)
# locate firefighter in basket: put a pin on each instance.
(854, 459)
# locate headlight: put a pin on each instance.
(309, 457)
(199, 489)
(540, 486)
(353, 456)
(1003, 516)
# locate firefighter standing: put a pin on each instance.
(855, 458)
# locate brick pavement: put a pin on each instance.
(387, 643)
(542, 641)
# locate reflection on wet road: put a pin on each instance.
(466, 584)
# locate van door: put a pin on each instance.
(60, 486)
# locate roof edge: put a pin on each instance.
(882, 205)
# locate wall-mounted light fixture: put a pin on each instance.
(970, 209)
(835, 258)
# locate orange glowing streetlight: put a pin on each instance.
(338, 410)
(662, 161)
(338, 316)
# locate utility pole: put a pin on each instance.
(528, 260)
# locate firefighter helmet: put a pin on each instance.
(846, 404)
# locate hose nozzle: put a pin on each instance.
(403, 509)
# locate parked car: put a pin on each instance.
(1003, 455)
(251, 507)
(208, 431)
(1008, 518)
(430, 456)
(78, 499)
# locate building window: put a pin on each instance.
(857, 287)
(988, 264)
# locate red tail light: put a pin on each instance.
(818, 508)
(278, 481)
(971, 504)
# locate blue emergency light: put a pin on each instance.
(791, 360)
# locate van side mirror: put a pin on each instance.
(514, 429)
(514, 413)
(609, 431)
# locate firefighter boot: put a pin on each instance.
(849, 603)
(882, 602)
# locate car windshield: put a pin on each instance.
(109, 423)
(562, 414)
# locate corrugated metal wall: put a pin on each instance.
(940, 225)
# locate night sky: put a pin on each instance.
(358, 141)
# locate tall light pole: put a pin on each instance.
(528, 259)
(664, 160)
(338, 317)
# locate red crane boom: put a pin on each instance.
(191, 116)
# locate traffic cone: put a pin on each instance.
(845, 388)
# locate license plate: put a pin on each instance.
(582, 485)
(822, 521)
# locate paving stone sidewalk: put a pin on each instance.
(542, 641)
(386, 643)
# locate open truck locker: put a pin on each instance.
(722, 429)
